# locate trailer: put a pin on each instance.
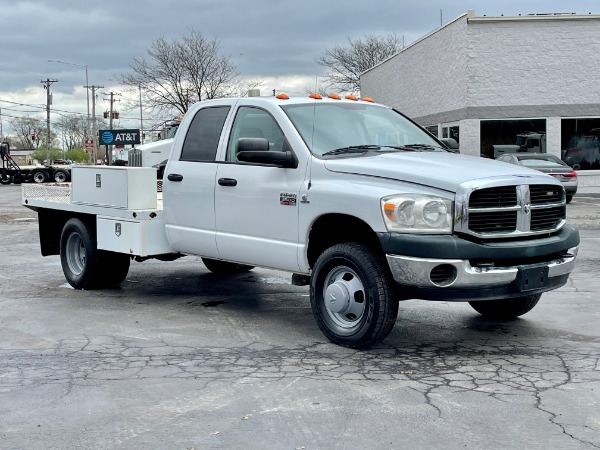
(11, 172)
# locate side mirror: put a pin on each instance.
(450, 144)
(256, 150)
(286, 160)
(252, 144)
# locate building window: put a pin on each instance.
(499, 136)
(433, 129)
(580, 146)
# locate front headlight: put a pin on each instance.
(415, 213)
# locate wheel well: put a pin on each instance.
(51, 224)
(333, 229)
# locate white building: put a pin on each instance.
(483, 80)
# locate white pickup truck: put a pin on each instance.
(349, 196)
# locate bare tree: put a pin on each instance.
(176, 74)
(345, 64)
(71, 130)
(31, 132)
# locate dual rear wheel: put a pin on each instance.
(86, 267)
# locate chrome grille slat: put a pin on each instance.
(502, 208)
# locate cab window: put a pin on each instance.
(203, 135)
(251, 122)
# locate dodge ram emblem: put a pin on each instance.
(527, 208)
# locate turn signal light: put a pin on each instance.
(572, 174)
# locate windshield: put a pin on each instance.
(172, 131)
(350, 128)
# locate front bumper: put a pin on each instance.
(460, 270)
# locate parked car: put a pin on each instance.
(549, 164)
(585, 154)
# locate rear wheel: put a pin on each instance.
(352, 295)
(86, 267)
(224, 267)
(60, 176)
(39, 176)
(5, 179)
(78, 254)
(506, 308)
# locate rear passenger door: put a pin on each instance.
(189, 181)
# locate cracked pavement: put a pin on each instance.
(181, 358)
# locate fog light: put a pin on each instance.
(443, 275)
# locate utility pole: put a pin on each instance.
(1, 133)
(141, 117)
(47, 84)
(94, 127)
(111, 100)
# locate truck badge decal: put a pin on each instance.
(117, 229)
(98, 180)
(287, 199)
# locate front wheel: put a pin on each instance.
(224, 267)
(569, 197)
(352, 295)
(5, 179)
(506, 308)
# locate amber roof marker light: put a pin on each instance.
(282, 97)
(367, 99)
(335, 96)
(315, 96)
(351, 97)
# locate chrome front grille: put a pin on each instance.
(498, 209)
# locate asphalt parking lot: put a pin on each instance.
(179, 358)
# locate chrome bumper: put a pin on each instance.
(416, 272)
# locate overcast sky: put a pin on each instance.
(276, 41)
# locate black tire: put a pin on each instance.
(5, 179)
(224, 267)
(79, 255)
(504, 309)
(60, 176)
(569, 197)
(39, 176)
(86, 267)
(352, 295)
(112, 269)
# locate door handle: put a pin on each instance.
(174, 177)
(227, 182)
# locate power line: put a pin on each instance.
(20, 72)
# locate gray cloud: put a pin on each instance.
(265, 38)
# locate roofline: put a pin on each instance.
(418, 40)
(471, 17)
(533, 17)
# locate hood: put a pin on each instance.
(436, 169)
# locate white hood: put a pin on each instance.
(436, 169)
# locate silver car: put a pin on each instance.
(549, 164)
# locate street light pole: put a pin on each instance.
(87, 84)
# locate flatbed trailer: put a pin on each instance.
(11, 172)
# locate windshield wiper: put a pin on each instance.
(414, 147)
(352, 149)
